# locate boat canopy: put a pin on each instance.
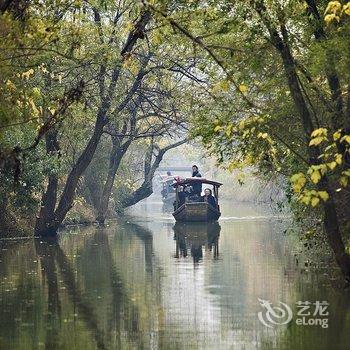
(191, 180)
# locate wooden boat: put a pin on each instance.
(168, 192)
(188, 209)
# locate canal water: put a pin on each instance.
(146, 283)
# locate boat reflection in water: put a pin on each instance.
(191, 237)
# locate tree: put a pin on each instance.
(275, 109)
(49, 220)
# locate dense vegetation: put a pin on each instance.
(93, 93)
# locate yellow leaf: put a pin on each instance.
(217, 128)
(232, 166)
(228, 131)
(221, 86)
(343, 181)
(242, 88)
(329, 18)
(264, 135)
(315, 201)
(28, 73)
(34, 108)
(319, 132)
(305, 199)
(36, 92)
(338, 158)
(298, 181)
(323, 168)
(129, 26)
(225, 85)
(317, 140)
(336, 136)
(346, 8)
(241, 125)
(315, 176)
(297, 188)
(332, 165)
(333, 7)
(10, 85)
(346, 138)
(296, 177)
(323, 195)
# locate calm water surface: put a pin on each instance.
(147, 283)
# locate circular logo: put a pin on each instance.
(274, 315)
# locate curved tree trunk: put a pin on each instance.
(82, 163)
(49, 198)
(331, 222)
(48, 223)
(146, 188)
(116, 156)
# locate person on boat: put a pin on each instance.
(182, 196)
(196, 187)
(195, 171)
(209, 198)
(168, 173)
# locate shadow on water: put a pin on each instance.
(55, 290)
(52, 257)
(99, 280)
(194, 237)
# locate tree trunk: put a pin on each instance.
(146, 188)
(82, 163)
(49, 198)
(51, 225)
(116, 156)
(330, 70)
(94, 189)
(49, 222)
(331, 223)
(144, 191)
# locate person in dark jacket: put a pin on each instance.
(195, 171)
(197, 187)
(208, 197)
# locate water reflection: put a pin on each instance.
(167, 207)
(195, 237)
(121, 287)
(52, 259)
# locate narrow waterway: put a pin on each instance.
(146, 283)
